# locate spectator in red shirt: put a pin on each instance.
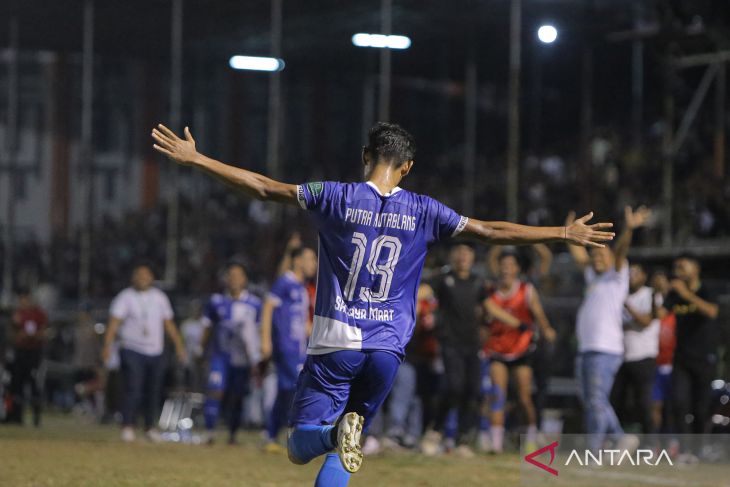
(29, 326)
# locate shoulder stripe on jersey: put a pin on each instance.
(460, 227)
(300, 196)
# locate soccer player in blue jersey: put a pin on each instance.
(284, 331)
(373, 239)
(232, 335)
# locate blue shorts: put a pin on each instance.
(662, 390)
(225, 377)
(339, 382)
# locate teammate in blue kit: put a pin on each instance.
(284, 330)
(373, 239)
(232, 335)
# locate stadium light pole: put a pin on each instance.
(513, 116)
(87, 106)
(386, 22)
(470, 119)
(11, 150)
(274, 115)
(173, 212)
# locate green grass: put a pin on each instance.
(68, 453)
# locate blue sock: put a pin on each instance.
(332, 473)
(308, 441)
(211, 409)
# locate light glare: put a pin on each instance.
(255, 63)
(547, 34)
(381, 41)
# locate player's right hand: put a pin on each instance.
(179, 150)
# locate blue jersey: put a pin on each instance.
(371, 253)
(289, 320)
(234, 334)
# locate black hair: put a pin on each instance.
(297, 251)
(688, 256)
(22, 291)
(519, 258)
(390, 142)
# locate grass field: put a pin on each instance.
(67, 453)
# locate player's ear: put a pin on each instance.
(406, 168)
(365, 156)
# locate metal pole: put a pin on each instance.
(470, 128)
(87, 105)
(637, 79)
(173, 213)
(274, 122)
(720, 87)
(513, 139)
(668, 159)
(11, 150)
(386, 21)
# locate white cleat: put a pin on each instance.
(348, 446)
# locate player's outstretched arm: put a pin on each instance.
(183, 152)
(578, 232)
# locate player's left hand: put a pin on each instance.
(179, 150)
(579, 232)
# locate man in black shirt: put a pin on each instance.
(695, 356)
(459, 293)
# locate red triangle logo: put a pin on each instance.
(530, 458)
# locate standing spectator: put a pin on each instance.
(599, 328)
(662, 392)
(515, 309)
(284, 331)
(29, 327)
(635, 378)
(231, 321)
(695, 357)
(141, 315)
(460, 293)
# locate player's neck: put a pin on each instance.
(385, 177)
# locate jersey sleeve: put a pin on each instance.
(319, 197)
(443, 222)
(277, 293)
(118, 308)
(167, 312)
(208, 313)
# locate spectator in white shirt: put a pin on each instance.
(140, 316)
(599, 327)
(635, 378)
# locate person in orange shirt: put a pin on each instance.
(515, 309)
